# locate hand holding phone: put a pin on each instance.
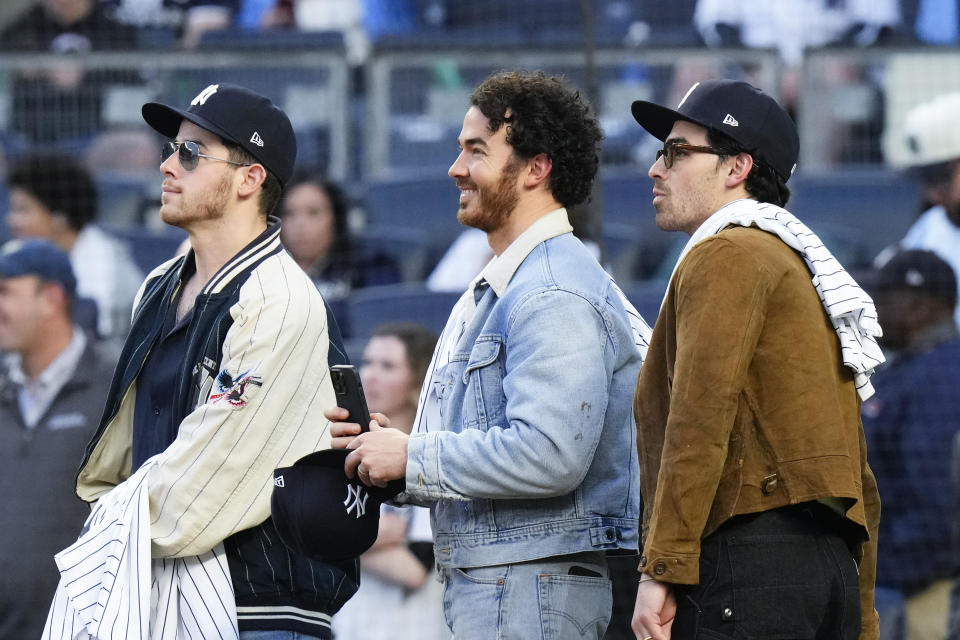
(349, 392)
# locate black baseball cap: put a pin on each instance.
(320, 512)
(738, 110)
(38, 257)
(921, 271)
(237, 115)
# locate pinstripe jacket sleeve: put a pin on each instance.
(264, 409)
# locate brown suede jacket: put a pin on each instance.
(743, 405)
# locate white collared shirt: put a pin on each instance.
(34, 396)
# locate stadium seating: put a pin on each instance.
(408, 302)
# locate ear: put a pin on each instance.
(54, 298)
(253, 177)
(738, 167)
(538, 169)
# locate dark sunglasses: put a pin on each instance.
(188, 153)
(671, 150)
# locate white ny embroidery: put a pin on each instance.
(204, 95)
(356, 499)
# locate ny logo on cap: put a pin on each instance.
(204, 95)
(356, 499)
(256, 139)
(730, 120)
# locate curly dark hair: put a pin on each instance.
(545, 114)
(763, 183)
(60, 183)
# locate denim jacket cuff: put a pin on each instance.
(423, 460)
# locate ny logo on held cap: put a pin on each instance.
(356, 499)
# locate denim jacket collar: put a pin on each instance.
(499, 271)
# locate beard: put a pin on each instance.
(210, 204)
(492, 208)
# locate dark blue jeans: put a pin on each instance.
(786, 574)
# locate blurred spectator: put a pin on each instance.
(791, 26)
(910, 425)
(54, 197)
(63, 104)
(53, 383)
(932, 130)
(399, 595)
(935, 22)
(316, 233)
(185, 20)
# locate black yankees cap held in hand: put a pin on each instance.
(320, 512)
(237, 115)
(737, 109)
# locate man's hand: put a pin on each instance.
(654, 610)
(378, 456)
(344, 432)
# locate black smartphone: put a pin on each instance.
(349, 392)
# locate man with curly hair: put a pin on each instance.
(523, 442)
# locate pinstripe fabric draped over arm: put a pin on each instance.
(110, 588)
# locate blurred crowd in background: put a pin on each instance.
(376, 90)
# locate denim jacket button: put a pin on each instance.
(727, 613)
(659, 568)
(610, 534)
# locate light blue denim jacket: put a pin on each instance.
(535, 451)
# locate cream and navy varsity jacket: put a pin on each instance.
(250, 399)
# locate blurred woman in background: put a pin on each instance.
(399, 595)
(316, 233)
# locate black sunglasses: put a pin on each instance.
(188, 153)
(670, 150)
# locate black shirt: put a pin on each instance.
(154, 424)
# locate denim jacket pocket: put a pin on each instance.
(484, 403)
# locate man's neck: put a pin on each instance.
(520, 220)
(216, 242)
(55, 340)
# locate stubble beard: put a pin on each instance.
(493, 208)
(210, 206)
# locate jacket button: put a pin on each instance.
(769, 484)
(659, 568)
(610, 534)
(727, 613)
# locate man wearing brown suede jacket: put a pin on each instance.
(760, 509)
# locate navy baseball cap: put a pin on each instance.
(737, 109)
(40, 258)
(320, 512)
(921, 271)
(237, 115)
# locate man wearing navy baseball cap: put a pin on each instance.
(53, 381)
(223, 377)
(760, 511)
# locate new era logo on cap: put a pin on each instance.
(256, 139)
(730, 120)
